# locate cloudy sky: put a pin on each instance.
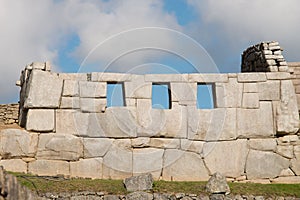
(139, 36)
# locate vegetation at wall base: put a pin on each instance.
(43, 184)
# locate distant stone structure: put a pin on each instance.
(9, 114)
(249, 135)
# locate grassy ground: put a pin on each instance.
(57, 185)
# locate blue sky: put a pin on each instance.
(139, 36)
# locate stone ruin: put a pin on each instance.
(251, 133)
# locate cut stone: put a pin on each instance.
(230, 166)
(92, 105)
(251, 77)
(165, 143)
(87, 168)
(49, 168)
(71, 88)
(269, 90)
(250, 88)
(260, 164)
(92, 89)
(263, 144)
(159, 78)
(189, 145)
(70, 102)
(14, 165)
(138, 88)
(208, 78)
(110, 77)
(96, 147)
(250, 100)
(175, 166)
(285, 151)
(183, 92)
(40, 120)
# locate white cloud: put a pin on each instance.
(240, 23)
(33, 30)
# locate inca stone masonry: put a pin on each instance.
(249, 135)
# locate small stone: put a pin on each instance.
(139, 183)
(139, 196)
(217, 184)
(217, 197)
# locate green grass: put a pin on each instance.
(57, 185)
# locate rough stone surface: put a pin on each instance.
(71, 88)
(87, 168)
(269, 90)
(261, 164)
(96, 147)
(217, 184)
(59, 147)
(49, 167)
(44, 89)
(139, 183)
(92, 89)
(263, 144)
(14, 165)
(40, 120)
(175, 166)
(139, 196)
(233, 165)
(250, 100)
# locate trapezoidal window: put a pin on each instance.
(115, 94)
(206, 95)
(161, 96)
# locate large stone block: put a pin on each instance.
(110, 77)
(287, 110)
(92, 89)
(138, 88)
(73, 76)
(251, 77)
(40, 120)
(161, 78)
(148, 160)
(262, 164)
(14, 165)
(96, 147)
(17, 143)
(250, 88)
(117, 162)
(229, 95)
(87, 168)
(165, 143)
(71, 88)
(269, 90)
(183, 166)
(43, 90)
(263, 144)
(184, 92)
(59, 147)
(116, 122)
(256, 122)
(49, 168)
(227, 157)
(70, 102)
(190, 145)
(211, 125)
(208, 78)
(92, 105)
(71, 122)
(250, 100)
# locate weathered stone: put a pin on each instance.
(140, 142)
(285, 151)
(14, 165)
(229, 95)
(45, 89)
(250, 100)
(297, 152)
(139, 183)
(260, 164)
(217, 184)
(251, 77)
(96, 147)
(269, 90)
(117, 162)
(184, 92)
(40, 120)
(92, 105)
(233, 165)
(287, 111)
(92, 89)
(71, 122)
(73, 76)
(250, 88)
(59, 147)
(189, 145)
(288, 180)
(87, 168)
(116, 122)
(165, 143)
(278, 76)
(295, 166)
(263, 144)
(139, 196)
(208, 78)
(110, 77)
(147, 160)
(202, 124)
(138, 88)
(175, 166)
(71, 88)
(70, 102)
(158, 78)
(261, 123)
(17, 143)
(287, 172)
(49, 168)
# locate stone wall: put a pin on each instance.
(250, 134)
(9, 114)
(294, 68)
(264, 57)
